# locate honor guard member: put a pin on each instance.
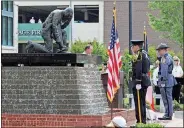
(140, 79)
(166, 80)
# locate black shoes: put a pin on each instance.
(165, 118)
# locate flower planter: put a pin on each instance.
(178, 114)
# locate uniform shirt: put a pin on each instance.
(165, 71)
(155, 76)
(177, 71)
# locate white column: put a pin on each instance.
(15, 28)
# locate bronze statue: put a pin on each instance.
(35, 47)
(53, 28)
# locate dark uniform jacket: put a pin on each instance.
(141, 68)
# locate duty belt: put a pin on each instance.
(144, 74)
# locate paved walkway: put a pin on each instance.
(175, 122)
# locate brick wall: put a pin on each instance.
(139, 15)
(122, 21)
(52, 120)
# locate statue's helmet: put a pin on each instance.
(68, 12)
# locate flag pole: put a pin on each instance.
(139, 107)
(114, 13)
(146, 49)
(138, 94)
(111, 110)
(144, 32)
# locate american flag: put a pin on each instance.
(149, 94)
(114, 61)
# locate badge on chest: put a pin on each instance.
(163, 60)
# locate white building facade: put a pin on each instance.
(86, 25)
(9, 29)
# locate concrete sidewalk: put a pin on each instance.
(175, 122)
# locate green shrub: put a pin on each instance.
(78, 46)
(152, 125)
(177, 106)
(127, 68)
(157, 108)
(98, 48)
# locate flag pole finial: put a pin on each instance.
(144, 25)
(114, 3)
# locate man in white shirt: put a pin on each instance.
(32, 20)
(88, 50)
(177, 70)
(155, 73)
(177, 73)
(155, 81)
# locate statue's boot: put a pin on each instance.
(29, 47)
(62, 50)
(35, 47)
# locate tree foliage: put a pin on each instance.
(152, 54)
(169, 20)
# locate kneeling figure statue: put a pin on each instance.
(53, 28)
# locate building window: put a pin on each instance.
(7, 23)
(86, 13)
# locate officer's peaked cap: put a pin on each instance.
(137, 42)
(162, 46)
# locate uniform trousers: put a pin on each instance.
(176, 92)
(166, 93)
(142, 96)
(157, 91)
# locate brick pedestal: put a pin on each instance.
(48, 96)
(52, 90)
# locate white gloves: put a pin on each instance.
(162, 85)
(138, 86)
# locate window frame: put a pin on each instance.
(83, 6)
(9, 14)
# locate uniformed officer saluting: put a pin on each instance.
(140, 79)
(166, 80)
